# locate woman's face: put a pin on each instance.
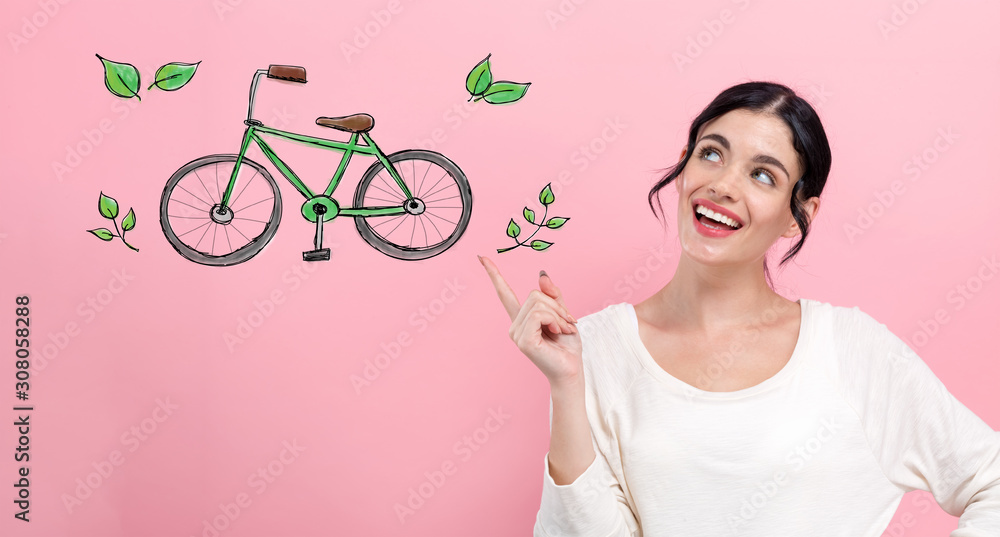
(743, 166)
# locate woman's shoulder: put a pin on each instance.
(610, 355)
(851, 319)
(856, 336)
(605, 321)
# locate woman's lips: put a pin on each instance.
(712, 232)
(716, 208)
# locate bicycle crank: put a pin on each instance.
(319, 209)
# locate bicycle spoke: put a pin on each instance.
(199, 209)
(252, 204)
(427, 241)
(201, 239)
(202, 181)
(388, 185)
(195, 229)
(229, 242)
(442, 218)
(255, 173)
(413, 168)
(189, 217)
(436, 228)
(397, 226)
(219, 190)
(412, 232)
(250, 219)
(442, 199)
(195, 197)
(385, 200)
(389, 193)
(386, 221)
(444, 206)
(215, 233)
(422, 178)
(429, 194)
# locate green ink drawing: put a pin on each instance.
(546, 197)
(480, 85)
(108, 208)
(173, 76)
(222, 209)
(121, 79)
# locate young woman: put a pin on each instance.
(718, 407)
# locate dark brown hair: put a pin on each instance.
(808, 139)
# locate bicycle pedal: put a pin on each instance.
(323, 254)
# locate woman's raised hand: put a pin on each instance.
(542, 327)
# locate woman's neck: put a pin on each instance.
(711, 299)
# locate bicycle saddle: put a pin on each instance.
(353, 123)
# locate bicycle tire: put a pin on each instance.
(238, 255)
(409, 252)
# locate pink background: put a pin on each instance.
(884, 99)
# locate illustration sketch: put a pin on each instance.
(108, 208)
(123, 79)
(545, 197)
(223, 209)
(480, 85)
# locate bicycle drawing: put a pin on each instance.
(223, 209)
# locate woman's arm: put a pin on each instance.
(581, 495)
(570, 447)
(923, 437)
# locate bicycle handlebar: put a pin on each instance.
(291, 73)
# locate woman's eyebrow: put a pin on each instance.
(763, 159)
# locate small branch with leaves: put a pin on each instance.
(109, 209)
(546, 197)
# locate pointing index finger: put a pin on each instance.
(506, 294)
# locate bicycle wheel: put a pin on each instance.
(436, 216)
(199, 231)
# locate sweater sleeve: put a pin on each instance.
(593, 505)
(923, 437)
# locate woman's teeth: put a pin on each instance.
(717, 217)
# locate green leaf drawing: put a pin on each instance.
(513, 230)
(546, 196)
(108, 206)
(173, 76)
(129, 222)
(529, 215)
(103, 234)
(540, 245)
(505, 92)
(480, 77)
(556, 222)
(121, 79)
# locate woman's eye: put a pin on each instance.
(709, 151)
(763, 173)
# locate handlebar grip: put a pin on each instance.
(291, 73)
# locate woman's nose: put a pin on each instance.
(724, 184)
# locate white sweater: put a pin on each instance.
(825, 447)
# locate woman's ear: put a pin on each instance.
(810, 207)
(680, 176)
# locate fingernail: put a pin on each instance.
(541, 273)
(481, 260)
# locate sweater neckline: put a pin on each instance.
(627, 312)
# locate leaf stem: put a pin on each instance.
(121, 235)
(525, 243)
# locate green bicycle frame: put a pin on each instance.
(254, 130)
